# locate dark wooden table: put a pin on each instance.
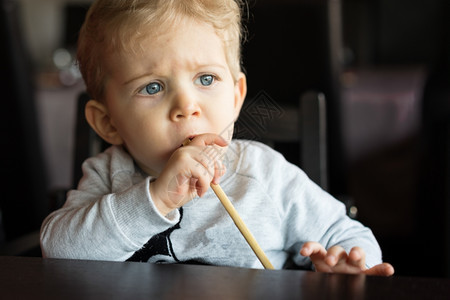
(37, 278)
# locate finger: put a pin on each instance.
(317, 253)
(219, 171)
(208, 139)
(192, 177)
(203, 178)
(199, 163)
(180, 190)
(313, 249)
(210, 158)
(383, 269)
(357, 257)
(335, 255)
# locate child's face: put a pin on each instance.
(179, 86)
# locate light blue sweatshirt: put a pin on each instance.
(111, 216)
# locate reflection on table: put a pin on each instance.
(22, 278)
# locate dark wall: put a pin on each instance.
(290, 50)
(395, 32)
(402, 190)
(23, 202)
(286, 51)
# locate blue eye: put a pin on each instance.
(206, 80)
(151, 88)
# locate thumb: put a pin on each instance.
(383, 269)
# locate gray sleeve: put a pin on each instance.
(321, 218)
(308, 212)
(102, 222)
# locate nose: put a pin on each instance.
(184, 107)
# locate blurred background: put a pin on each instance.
(382, 65)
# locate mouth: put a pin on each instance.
(187, 140)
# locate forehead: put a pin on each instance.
(184, 40)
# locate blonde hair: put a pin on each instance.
(117, 25)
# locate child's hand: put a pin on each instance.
(336, 260)
(189, 172)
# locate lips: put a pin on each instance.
(187, 140)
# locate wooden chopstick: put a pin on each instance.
(241, 226)
(238, 221)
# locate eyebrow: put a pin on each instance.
(136, 78)
(196, 67)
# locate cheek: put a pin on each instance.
(223, 119)
(130, 128)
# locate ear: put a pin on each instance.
(98, 118)
(240, 91)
